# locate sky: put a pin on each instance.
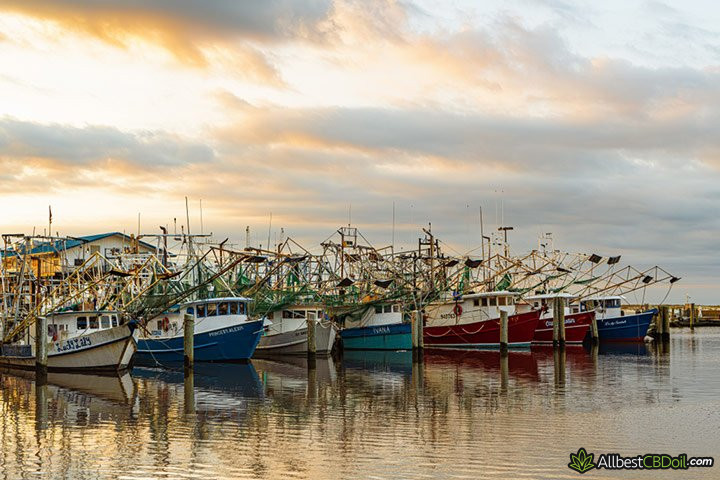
(596, 121)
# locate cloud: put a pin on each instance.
(74, 146)
(187, 28)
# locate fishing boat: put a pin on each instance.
(80, 341)
(612, 322)
(286, 332)
(381, 327)
(577, 323)
(223, 332)
(473, 321)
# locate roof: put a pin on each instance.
(549, 295)
(70, 243)
(498, 293)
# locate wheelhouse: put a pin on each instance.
(64, 325)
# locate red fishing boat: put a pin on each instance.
(474, 321)
(577, 323)
(577, 326)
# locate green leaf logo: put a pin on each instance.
(581, 462)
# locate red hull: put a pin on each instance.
(576, 327)
(521, 329)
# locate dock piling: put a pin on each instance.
(556, 329)
(665, 317)
(560, 302)
(415, 342)
(692, 316)
(189, 340)
(41, 347)
(312, 345)
(503, 331)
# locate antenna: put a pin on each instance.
(393, 229)
(202, 230)
(269, 229)
(349, 214)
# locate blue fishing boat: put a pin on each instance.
(380, 328)
(614, 325)
(223, 332)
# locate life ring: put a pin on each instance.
(457, 309)
(166, 324)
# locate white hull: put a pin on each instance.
(106, 350)
(295, 342)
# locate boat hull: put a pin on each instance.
(227, 344)
(577, 326)
(296, 342)
(110, 350)
(394, 336)
(486, 333)
(628, 328)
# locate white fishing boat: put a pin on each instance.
(86, 341)
(286, 332)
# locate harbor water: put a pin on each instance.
(379, 415)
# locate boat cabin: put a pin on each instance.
(546, 301)
(605, 307)
(471, 307)
(291, 318)
(209, 314)
(70, 324)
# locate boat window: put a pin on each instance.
(242, 308)
(378, 308)
(493, 301)
(223, 308)
(396, 308)
(612, 303)
(190, 310)
(270, 315)
(484, 302)
(81, 323)
(536, 304)
(93, 322)
(476, 302)
(114, 321)
(159, 324)
(387, 309)
(211, 309)
(311, 314)
(287, 314)
(201, 310)
(502, 301)
(511, 301)
(105, 321)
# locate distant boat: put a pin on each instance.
(87, 341)
(613, 324)
(286, 330)
(381, 327)
(223, 332)
(577, 323)
(473, 321)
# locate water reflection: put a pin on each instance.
(453, 414)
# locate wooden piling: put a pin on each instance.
(311, 344)
(556, 329)
(560, 306)
(658, 321)
(41, 346)
(692, 316)
(503, 331)
(421, 329)
(414, 341)
(189, 340)
(594, 336)
(666, 322)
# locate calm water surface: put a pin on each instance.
(372, 415)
